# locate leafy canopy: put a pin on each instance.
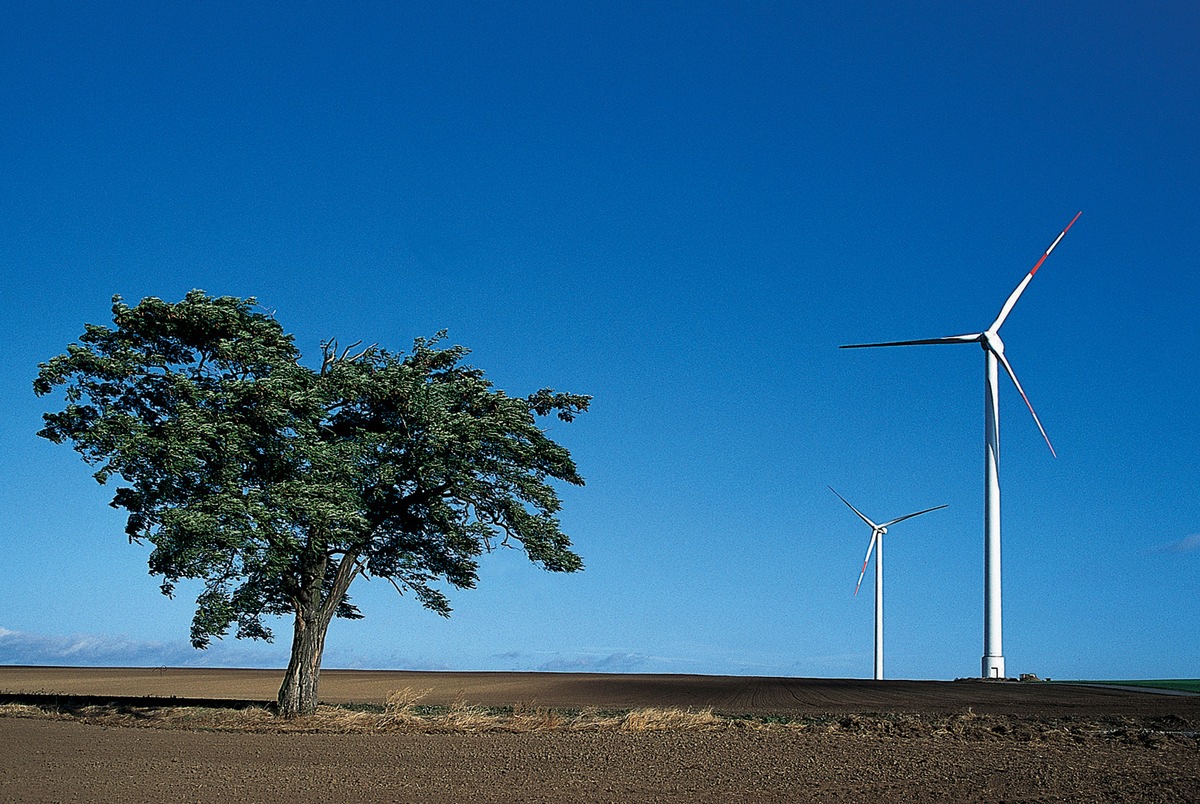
(273, 482)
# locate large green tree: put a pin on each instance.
(277, 484)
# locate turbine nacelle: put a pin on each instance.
(989, 340)
(877, 531)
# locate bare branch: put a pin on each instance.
(363, 353)
(328, 354)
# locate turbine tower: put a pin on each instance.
(876, 544)
(993, 348)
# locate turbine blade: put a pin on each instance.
(1016, 294)
(910, 516)
(972, 338)
(855, 510)
(870, 547)
(1012, 374)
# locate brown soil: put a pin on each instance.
(863, 740)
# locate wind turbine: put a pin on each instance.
(876, 544)
(993, 348)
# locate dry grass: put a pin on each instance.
(672, 720)
(402, 712)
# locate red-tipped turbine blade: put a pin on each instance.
(1013, 375)
(1016, 294)
(870, 547)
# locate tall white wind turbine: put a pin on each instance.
(876, 544)
(993, 348)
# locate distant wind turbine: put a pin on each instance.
(876, 544)
(993, 347)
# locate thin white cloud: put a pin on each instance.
(19, 647)
(94, 650)
(1188, 544)
(586, 663)
(86, 650)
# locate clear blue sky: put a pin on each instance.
(681, 209)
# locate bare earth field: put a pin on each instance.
(784, 740)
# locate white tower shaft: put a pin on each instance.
(879, 609)
(993, 639)
(876, 546)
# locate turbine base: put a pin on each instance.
(993, 667)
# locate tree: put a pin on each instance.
(278, 484)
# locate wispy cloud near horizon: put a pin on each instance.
(590, 663)
(103, 650)
(84, 650)
(1188, 544)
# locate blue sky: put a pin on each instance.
(681, 209)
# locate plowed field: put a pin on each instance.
(1026, 742)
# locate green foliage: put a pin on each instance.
(278, 484)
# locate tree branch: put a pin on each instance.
(424, 495)
(328, 354)
(361, 354)
(348, 569)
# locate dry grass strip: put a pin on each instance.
(402, 712)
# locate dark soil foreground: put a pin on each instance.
(868, 741)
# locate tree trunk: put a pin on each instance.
(298, 694)
(314, 612)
